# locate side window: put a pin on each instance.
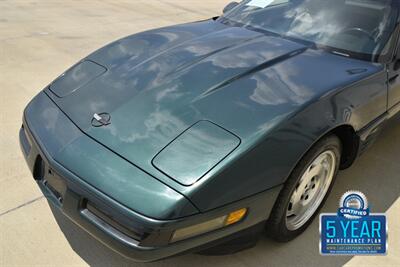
(386, 49)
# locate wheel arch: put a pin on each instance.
(350, 144)
(349, 139)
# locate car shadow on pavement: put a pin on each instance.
(375, 173)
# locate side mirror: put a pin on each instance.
(230, 6)
(396, 65)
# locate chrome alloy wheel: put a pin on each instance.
(310, 191)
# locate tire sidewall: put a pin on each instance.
(278, 222)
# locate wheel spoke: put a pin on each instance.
(315, 171)
(296, 208)
(310, 190)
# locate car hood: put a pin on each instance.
(157, 84)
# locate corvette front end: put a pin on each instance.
(122, 206)
(177, 138)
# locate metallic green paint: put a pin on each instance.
(161, 82)
(198, 150)
(100, 167)
(266, 101)
(82, 74)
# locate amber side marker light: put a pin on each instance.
(208, 226)
(235, 216)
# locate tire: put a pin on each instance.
(283, 224)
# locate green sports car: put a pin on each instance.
(190, 136)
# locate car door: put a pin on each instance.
(394, 81)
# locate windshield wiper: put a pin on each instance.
(347, 53)
(340, 53)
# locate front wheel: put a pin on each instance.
(305, 191)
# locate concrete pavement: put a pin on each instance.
(39, 40)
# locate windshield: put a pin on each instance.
(354, 28)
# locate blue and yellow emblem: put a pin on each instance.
(353, 230)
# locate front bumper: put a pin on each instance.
(131, 234)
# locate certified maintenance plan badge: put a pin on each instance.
(353, 230)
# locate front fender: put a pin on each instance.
(271, 161)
